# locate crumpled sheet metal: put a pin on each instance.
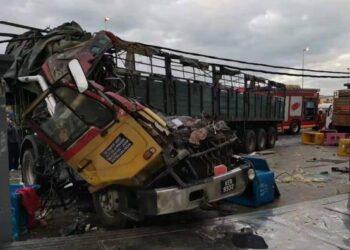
(31, 55)
(199, 129)
(198, 135)
(61, 43)
(134, 47)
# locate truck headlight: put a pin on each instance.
(251, 174)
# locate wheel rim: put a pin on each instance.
(109, 202)
(28, 167)
(295, 127)
(272, 139)
(262, 143)
(252, 144)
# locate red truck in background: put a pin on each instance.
(300, 110)
(341, 109)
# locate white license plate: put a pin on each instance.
(228, 185)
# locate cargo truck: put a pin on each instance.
(178, 85)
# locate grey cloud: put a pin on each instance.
(273, 32)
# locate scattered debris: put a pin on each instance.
(318, 180)
(343, 170)
(246, 238)
(78, 227)
(316, 166)
(335, 161)
(198, 135)
(267, 152)
(298, 175)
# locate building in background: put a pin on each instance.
(326, 99)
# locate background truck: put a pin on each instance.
(182, 83)
(341, 109)
(301, 106)
(91, 135)
(184, 86)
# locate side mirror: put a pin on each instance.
(78, 75)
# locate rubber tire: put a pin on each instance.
(28, 161)
(330, 126)
(249, 141)
(271, 137)
(294, 127)
(261, 139)
(118, 221)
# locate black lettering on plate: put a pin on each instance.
(228, 185)
(116, 149)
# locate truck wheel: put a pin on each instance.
(271, 137)
(29, 176)
(249, 141)
(106, 203)
(330, 126)
(261, 139)
(294, 127)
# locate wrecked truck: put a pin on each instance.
(92, 125)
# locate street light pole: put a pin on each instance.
(302, 74)
(106, 19)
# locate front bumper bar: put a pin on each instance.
(176, 199)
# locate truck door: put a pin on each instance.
(310, 109)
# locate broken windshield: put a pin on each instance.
(63, 127)
(88, 109)
(73, 114)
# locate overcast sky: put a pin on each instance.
(269, 31)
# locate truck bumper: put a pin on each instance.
(176, 199)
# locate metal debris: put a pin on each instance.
(335, 161)
(248, 239)
(341, 170)
(299, 175)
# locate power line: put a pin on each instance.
(243, 62)
(194, 54)
(22, 26)
(206, 56)
(283, 73)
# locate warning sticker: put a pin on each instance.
(116, 149)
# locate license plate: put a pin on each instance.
(228, 185)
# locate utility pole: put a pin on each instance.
(5, 211)
(302, 74)
(106, 20)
